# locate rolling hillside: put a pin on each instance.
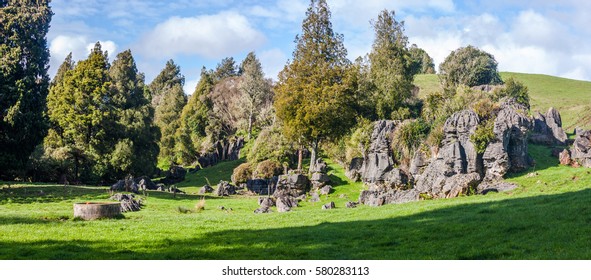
(572, 98)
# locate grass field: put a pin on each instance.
(572, 98)
(547, 217)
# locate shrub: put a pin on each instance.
(358, 144)
(515, 89)
(267, 169)
(483, 135)
(242, 173)
(469, 66)
(407, 137)
(270, 144)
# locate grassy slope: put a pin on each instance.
(571, 97)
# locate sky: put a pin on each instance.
(537, 36)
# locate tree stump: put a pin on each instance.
(97, 210)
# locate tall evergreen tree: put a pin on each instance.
(81, 109)
(137, 137)
(313, 97)
(166, 79)
(391, 65)
(254, 88)
(23, 80)
(226, 68)
(194, 120)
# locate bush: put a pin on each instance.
(270, 144)
(515, 89)
(267, 169)
(483, 135)
(469, 66)
(242, 173)
(358, 143)
(407, 137)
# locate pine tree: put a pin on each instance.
(391, 66)
(225, 69)
(137, 137)
(166, 79)
(313, 97)
(168, 119)
(23, 80)
(254, 88)
(194, 120)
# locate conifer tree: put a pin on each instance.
(313, 97)
(254, 88)
(166, 79)
(23, 80)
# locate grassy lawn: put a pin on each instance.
(548, 217)
(572, 98)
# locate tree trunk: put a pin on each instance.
(300, 158)
(313, 155)
(250, 123)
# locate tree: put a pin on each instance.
(166, 79)
(254, 88)
(23, 80)
(391, 66)
(422, 62)
(469, 66)
(313, 95)
(195, 119)
(80, 109)
(137, 137)
(226, 68)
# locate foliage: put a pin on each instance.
(469, 66)
(483, 135)
(256, 91)
(225, 69)
(514, 89)
(271, 144)
(168, 109)
(23, 81)
(242, 173)
(422, 63)
(358, 143)
(407, 138)
(391, 71)
(313, 96)
(267, 169)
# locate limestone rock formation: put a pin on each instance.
(354, 169)
(581, 150)
(206, 189)
(329, 205)
(378, 163)
(547, 129)
(225, 189)
(222, 150)
(262, 186)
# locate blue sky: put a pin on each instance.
(543, 36)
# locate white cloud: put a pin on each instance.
(79, 46)
(190, 86)
(273, 62)
(211, 36)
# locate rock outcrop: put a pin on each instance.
(223, 150)
(547, 129)
(581, 150)
(262, 186)
(353, 171)
(225, 189)
(206, 189)
(378, 164)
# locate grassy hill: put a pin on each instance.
(572, 98)
(547, 217)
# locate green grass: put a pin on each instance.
(548, 217)
(572, 98)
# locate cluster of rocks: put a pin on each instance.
(547, 129)
(226, 149)
(456, 168)
(175, 174)
(262, 186)
(128, 202)
(580, 153)
(134, 185)
(225, 189)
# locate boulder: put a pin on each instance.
(225, 189)
(564, 157)
(499, 186)
(547, 129)
(581, 150)
(263, 210)
(418, 163)
(351, 204)
(128, 202)
(379, 197)
(262, 186)
(378, 163)
(329, 205)
(206, 189)
(314, 197)
(144, 183)
(320, 166)
(354, 170)
(266, 202)
(119, 186)
(285, 203)
(554, 122)
(325, 190)
(292, 184)
(319, 180)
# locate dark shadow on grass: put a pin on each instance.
(542, 227)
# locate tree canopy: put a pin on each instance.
(469, 66)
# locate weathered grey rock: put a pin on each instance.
(263, 210)
(128, 202)
(579, 131)
(325, 190)
(319, 180)
(206, 189)
(554, 122)
(266, 202)
(225, 189)
(508, 151)
(547, 129)
(351, 204)
(293, 184)
(418, 163)
(262, 186)
(320, 166)
(329, 205)
(314, 197)
(285, 203)
(379, 162)
(564, 157)
(118, 186)
(354, 170)
(175, 175)
(144, 183)
(226, 149)
(379, 197)
(581, 150)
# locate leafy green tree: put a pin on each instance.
(81, 112)
(391, 66)
(137, 137)
(255, 90)
(226, 68)
(469, 66)
(168, 119)
(195, 119)
(313, 95)
(166, 79)
(24, 82)
(516, 89)
(422, 62)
